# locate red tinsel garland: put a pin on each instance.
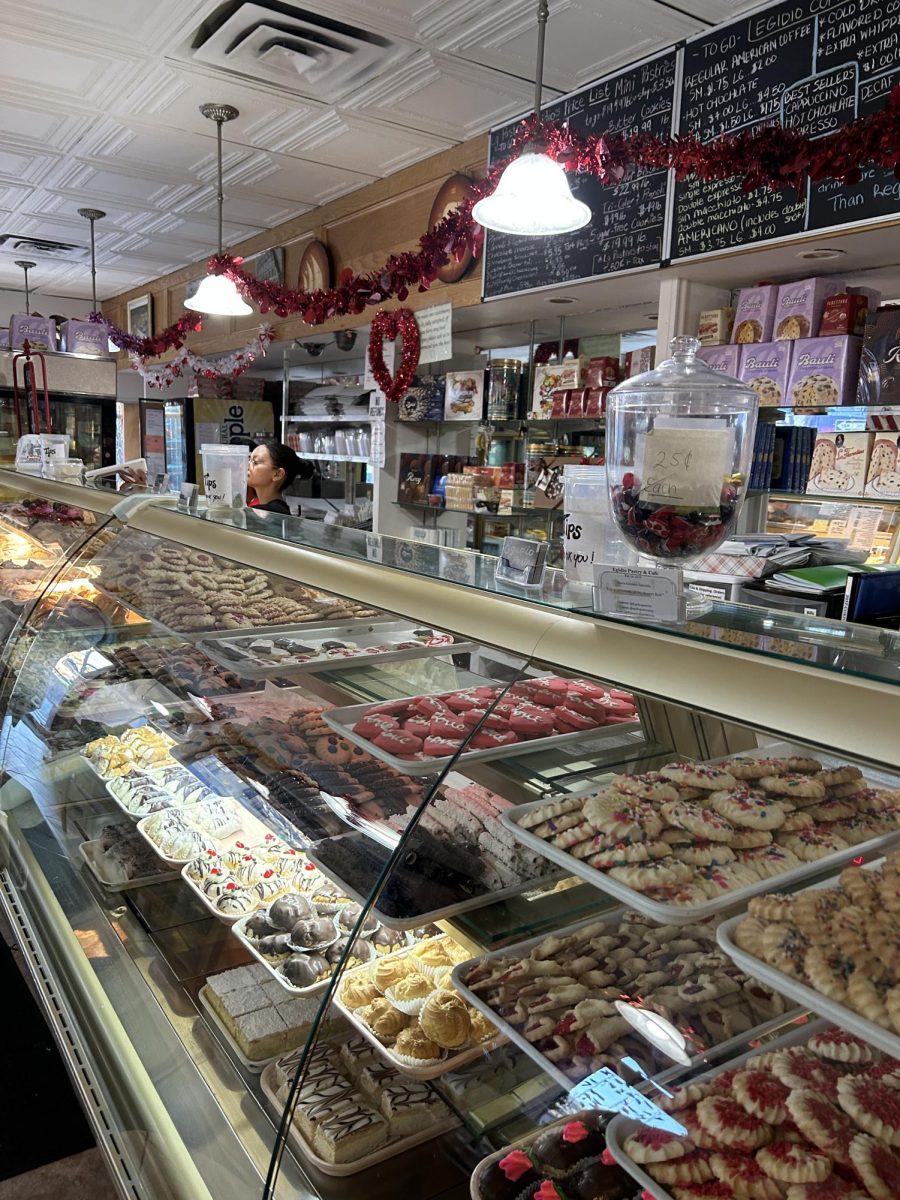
(401, 322)
(171, 338)
(768, 156)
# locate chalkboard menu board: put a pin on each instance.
(811, 64)
(628, 224)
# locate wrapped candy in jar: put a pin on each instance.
(679, 441)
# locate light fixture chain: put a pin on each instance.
(543, 15)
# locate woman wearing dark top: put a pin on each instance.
(273, 467)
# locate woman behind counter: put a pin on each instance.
(273, 467)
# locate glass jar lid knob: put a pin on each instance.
(684, 347)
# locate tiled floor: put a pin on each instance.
(79, 1177)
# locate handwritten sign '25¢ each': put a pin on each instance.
(685, 463)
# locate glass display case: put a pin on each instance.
(317, 843)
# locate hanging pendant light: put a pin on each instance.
(218, 296)
(93, 215)
(533, 197)
(26, 266)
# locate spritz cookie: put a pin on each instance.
(699, 775)
(748, 808)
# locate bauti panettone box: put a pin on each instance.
(766, 368)
(839, 464)
(755, 314)
(883, 476)
(799, 307)
(824, 372)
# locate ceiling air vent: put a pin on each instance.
(294, 48)
(42, 247)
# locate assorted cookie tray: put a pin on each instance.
(406, 1007)
(554, 996)
(692, 839)
(837, 933)
(304, 970)
(383, 1104)
(262, 655)
(419, 734)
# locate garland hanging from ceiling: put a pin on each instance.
(769, 156)
(225, 366)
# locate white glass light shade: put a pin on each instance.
(218, 296)
(532, 199)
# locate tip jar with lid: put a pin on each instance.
(678, 445)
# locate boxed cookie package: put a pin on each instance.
(725, 359)
(84, 337)
(715, 325)
(766, 368)
(799, 307)
(823, 372)
(549, 378)
(883, 476)
(839, 464)
(755, 314)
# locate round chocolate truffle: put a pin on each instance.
(275, 945)
(596, 1181)
(386, 941)
(303, 970)
(258, 926)
(313, 933)
(349, 915)
(285, 912)
(362, 950)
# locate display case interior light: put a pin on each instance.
(656, 1030)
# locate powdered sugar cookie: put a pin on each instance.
(789, 1162)
(698, 775)
(795, 787)
(822, 1123)
(745, 1177)
(728, 1121)
(702, 822)
(878, 1167)
(648, 1145)
(751, 809)
(873, 1105)
(762, 1094)
(838, 1045)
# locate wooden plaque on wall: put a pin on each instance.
(316, 270)
(452, 192)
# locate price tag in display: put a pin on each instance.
(374, 549)
(644, 593)
(685, 462)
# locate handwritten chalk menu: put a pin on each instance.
(811, 64)
(628, 224)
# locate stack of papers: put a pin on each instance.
(816, 579)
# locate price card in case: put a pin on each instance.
(644, 593)
(685, 462)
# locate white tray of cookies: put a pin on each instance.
(621, 1128)
(885, 1037)
(591, 986)
(441, 1121)
(637, 846)
(402, 1038)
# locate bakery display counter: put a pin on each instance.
(299, 935)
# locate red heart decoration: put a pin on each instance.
(391, 325)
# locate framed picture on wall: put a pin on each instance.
(140, 316)
(268, 266)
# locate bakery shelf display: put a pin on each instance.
(692, 839)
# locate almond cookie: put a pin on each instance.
(789, 1162)
(878, 1167)
(796, 1067)
(744, 1176)
(795, 787)
(648, 1145)
(660, 872)
(725, 1119)
(873, 1105)
(838, 1045)
(834, 776)
(811, 844)
(750, 809)
(702, 822)
(762, 1094)
(822, 1123)
(699, 775)
(692, 1168)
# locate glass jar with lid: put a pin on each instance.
(503, 389)
(679, 441)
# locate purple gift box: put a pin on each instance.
(721, 358)
(824, 372)
(84, 337)
(39, 332)
(799, 308)
(4, 337)
(766, 368)
(755, 314)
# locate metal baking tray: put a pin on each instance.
(413, 921)
(342, 721)
(620, 1127)
(516, 1036)
(670, 914)
(391, 1149)
(92, 855)
(804, 993)
(225, 651)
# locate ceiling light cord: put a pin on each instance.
(93, 215)
(220, 194)
(543, 16)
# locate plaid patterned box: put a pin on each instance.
(747, 566)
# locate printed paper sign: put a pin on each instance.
(685, 462)
(645, 593)
(435, 333)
